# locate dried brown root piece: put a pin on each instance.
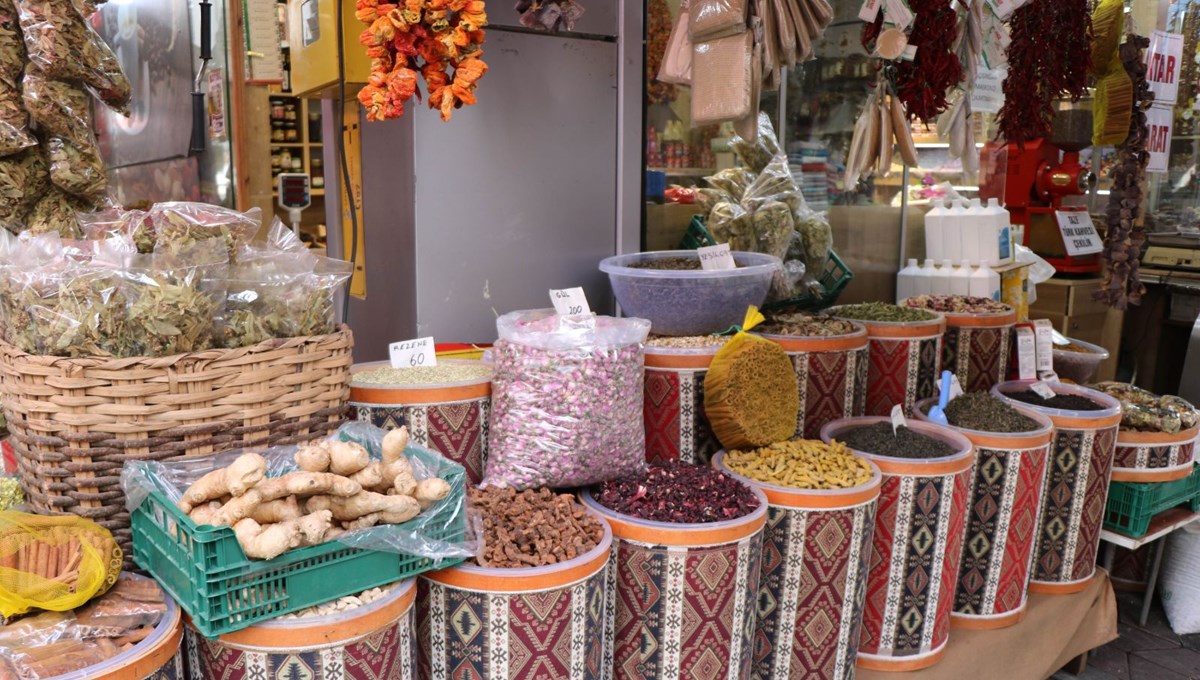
(235, 480)
(267, 542)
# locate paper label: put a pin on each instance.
(898, 419)
(910, 52)
(869, 10)
(1078, 233)
(413, 353)
(898, 13)
(988, 93)
(1043, 390)
(1164, 60)
(1159, 123)
(717, 257)
(956, 389)
(995, 39)
(1043, 332)
(1003, 8)
(570, 302)
(1026, 354)
(1048, 376)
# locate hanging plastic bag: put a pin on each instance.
(53, 563)
(677, 60)
(12, 46)
(566, 400)
(77, 169)
(711, 19)
(758, 152)
(24, 177)
(731, 223)
(14, 121)
(58, 106)
(722, 74)
(64, 47)
(817, 237)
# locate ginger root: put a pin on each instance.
(430, 491)
(394, 443)
(306, 484)
(238, 509)
(314, 527)
(313, 456)
(242, 474)
(366, 503)
(271, 541)
(370, 477)
(207, 513)
(364, 522)
(279, 510)
(397, 471)
(346, 458)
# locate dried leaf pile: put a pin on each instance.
(440, 40)
(50, 164)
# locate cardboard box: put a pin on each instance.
(867, 238)
(666, 224)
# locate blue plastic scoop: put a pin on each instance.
(937, 413)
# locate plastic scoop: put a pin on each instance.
(937, 413)
(1059, 338)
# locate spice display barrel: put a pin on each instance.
(371, 641)
(1080, 464)
(1005, 497)
(905, 362)
(831, 375)
(1154, 456)
(451, 418)
(74, 422)
(158, 657)
(683, 597)
(816, 552)
(917, 547)
(976, 348)
(510, 624)
(676, 427)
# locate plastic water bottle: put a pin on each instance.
(960, 279)
(935, 225)
(906, 281)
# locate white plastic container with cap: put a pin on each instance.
(952, 233)
(941, 279)
(923, 281)
(935, 224)
(998, 246)
(984, 282)
(975, 229)
(960, 279)
(905, 280)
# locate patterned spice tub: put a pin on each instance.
(905, 362)
(1154, 456)
(831, 374)
(158, 657)
(816, 551)
(1080, 464)
(976, 348)
(676, 427)
(682, 597)
(451, 418)
(916, 553)
(1005, 498)
(371, 642)
(512, 624)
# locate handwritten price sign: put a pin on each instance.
(570, 302)
(412, 353)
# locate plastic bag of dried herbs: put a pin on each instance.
(756, 154)
(64, 47)
(14, 121)
(23, 179)
(732, 181)
(12, 46)
(131, 223)
(77, 170)
(731, 223)
(56, 213)
(175, 226)
(62, 108)
(817, 238)
(173, 299)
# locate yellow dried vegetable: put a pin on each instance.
(802, 464)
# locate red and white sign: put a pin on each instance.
(1164, 60)
(1159, 120)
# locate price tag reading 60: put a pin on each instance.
(413, 353)
(570, 302)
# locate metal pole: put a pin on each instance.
(903, 216)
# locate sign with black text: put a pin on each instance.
(1078, 233)
(570, 302)
(412, 353)
(1164, 61)
(716, 257)
(1159, 122)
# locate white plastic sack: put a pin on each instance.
(1181, 580)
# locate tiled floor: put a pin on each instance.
(1153, 652)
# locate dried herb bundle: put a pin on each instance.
(55, 214)
(176, 227)
(77, 170)
(14, 121)
(1126, 229)
(173, 299)
(282, 295)
(64, 47)
(58, 106)
(12, 46)
(23, 179)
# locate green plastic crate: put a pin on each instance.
(1131, 505)
(222, 590)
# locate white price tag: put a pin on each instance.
(988, 94)
(1026, 354)
(897, 12)
(1078, 233)
(1164, 65)
(412, 353)
(956, 389)
(1043, 390)
(869, 10)
(910, 52)
(570, 302)
(1043, 332)
(716, 257)
(898, 419)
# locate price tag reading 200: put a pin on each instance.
(570, 302)
(413, 353)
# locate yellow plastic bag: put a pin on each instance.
(53, 563)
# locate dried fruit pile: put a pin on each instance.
(439, 39)
(679, 493)
(958, 304)
(802, 464)
(532, 528)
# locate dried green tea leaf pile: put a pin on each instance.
(50, 164)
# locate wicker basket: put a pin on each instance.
(74, 422)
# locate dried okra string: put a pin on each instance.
(679, 493)
(532, 528)
(802, 464)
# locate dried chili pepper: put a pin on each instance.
(1126, 229)
(1048, 58)
(923, 83)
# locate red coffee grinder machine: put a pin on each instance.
(1040, 177)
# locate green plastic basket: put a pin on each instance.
(222, 590)
(833, 280)
(1131, 505)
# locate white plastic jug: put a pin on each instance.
(923, 281)
(906, 281)
(960, 279)
(935, 224)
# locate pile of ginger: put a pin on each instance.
(338, 488)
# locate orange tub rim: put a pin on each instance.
(146, 657)
(999, 440)
(962, 459)
(1131, 438)
(811, 499)
(702, 535)
(854, 340)
(386, 394)
(680, 358)
(1147, 475)
(1109, 416)
(912, 662)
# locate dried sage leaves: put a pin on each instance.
(23, 179)
(58, 106)
(64, 47)
(77, 170)
(14, 122)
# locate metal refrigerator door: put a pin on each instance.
(517, 194)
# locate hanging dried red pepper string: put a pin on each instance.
(923, 83)
(1048, 58)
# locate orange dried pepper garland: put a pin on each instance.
(429, 37)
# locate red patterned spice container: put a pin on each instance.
(916, 553)
(1080, 465)
(976, 348)
(816, 552)
(450, 418)
(368, 642)
(158, 657)
(1002, 518)
(905, 362)
(831, 374)
(683, 597)
(676, 427)
(510, 624)
(1154, 456)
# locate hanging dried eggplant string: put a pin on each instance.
(1126, 228)
(923, 83)
(1048, 58)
